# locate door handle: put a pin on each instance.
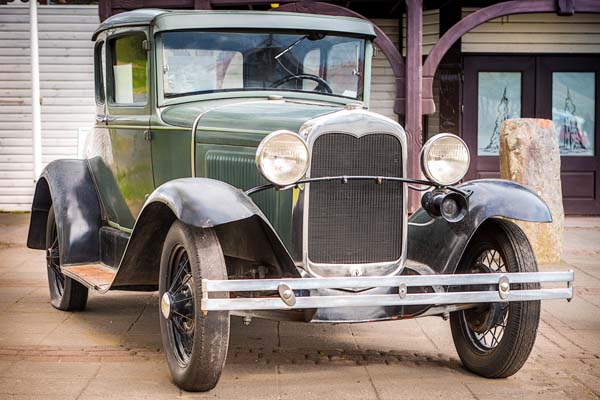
(103, 119)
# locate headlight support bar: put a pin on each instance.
(345, 179)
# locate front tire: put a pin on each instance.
(495, 340)
(66, 294)
(195, 344)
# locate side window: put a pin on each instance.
(129, 70)
(99, 64)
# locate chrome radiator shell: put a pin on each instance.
(355, 123)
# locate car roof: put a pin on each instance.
(163, 20)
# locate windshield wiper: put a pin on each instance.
(290, 47)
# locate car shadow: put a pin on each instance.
(134, 320)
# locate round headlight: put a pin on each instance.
(445, 159)
(282, 157)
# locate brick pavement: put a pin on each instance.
(112, 350)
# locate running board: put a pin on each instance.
(290, 298)
(96, 276)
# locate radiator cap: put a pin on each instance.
(354, 106)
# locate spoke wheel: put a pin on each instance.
(195, 344)
(65, 293)
(495, 339)
(53, 261)
(181, 300)
(485, 324)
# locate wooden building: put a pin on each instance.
(441, 66)
(66, 66)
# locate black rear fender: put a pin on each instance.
(243, 231)
(67, 185)
(440, 244)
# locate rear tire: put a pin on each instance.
(495, 340)
(195, 344)
(66, 294)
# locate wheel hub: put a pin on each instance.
(165, 305)
(179, 303)
(485, 316)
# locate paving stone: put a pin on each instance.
(244, 382)
(129, 380)
(325, 382)
(408, 381)
(51, 378)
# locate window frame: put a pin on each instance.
(99, 67)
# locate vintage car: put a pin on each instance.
(235, 168)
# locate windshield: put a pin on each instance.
(202, 62)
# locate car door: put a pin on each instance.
(128, 121)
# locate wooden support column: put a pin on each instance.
(414, 119)
(104, 9)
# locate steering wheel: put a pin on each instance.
(322, 86)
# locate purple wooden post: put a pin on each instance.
(413, 124)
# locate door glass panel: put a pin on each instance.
(499, 98)
(573, 109)
(129, 70)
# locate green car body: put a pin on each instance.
(153, 143)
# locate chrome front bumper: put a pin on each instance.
(289, 297)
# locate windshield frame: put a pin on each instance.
(163, 100)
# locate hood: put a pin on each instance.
(258, 116)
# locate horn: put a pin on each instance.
(450, 206)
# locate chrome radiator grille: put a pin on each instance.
(359, 221)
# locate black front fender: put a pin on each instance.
(204, 202)
(244, 232)
(440, 244)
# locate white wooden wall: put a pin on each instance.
(67, 90)
(383, 83)
(534, 33)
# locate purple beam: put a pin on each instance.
(235, 3)
(483, 15)
(202, 5)
(383, 42)
(104, 9)
(414, 125)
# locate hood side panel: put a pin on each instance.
(225, 147)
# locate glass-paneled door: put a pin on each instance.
(495, 89)
(568, 93)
